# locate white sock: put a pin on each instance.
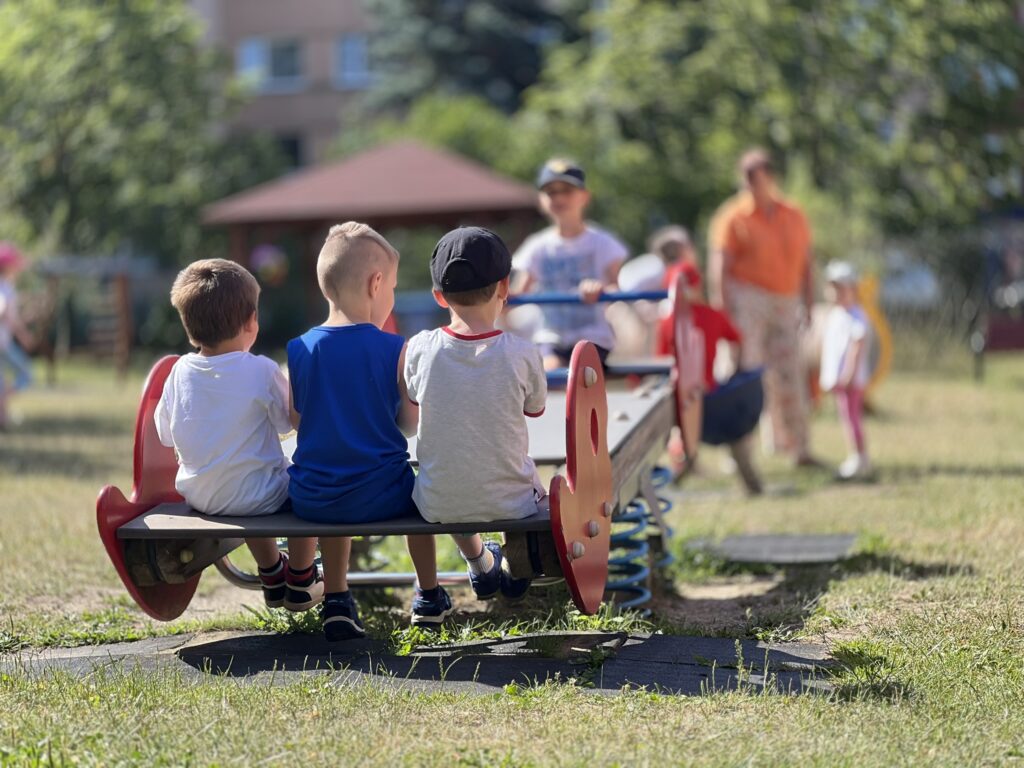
(482, 563)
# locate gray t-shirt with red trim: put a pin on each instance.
(475, 393)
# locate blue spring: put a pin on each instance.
(629, 568)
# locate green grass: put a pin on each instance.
(925, 624)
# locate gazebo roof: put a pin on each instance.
(403, 179)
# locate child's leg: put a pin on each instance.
(335, 551)
(473, 551)
(264, 551)
(301, 553)
(423, 551)
(850, 404)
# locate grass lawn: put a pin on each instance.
(927, 620)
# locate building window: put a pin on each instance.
(291, 147)
(352, 62)
(271, 65)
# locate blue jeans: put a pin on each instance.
(17, 361)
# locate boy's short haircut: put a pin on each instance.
(669, 243)
(351, 252)
(215, 298)
(471, 298)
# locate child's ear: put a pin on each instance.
(503, 288)
(376, 281)
(252, 324)
(439, 298)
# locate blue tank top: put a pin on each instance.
(351, 461)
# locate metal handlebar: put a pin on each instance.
(569, 297)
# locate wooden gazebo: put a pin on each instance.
(402, 184)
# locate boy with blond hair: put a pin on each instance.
(351, 461)
(475, 386)
(222, 410)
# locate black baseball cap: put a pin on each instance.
(561, 170)
(469, 258)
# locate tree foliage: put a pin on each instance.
(107, 113)
(489, 48)
(906, 114)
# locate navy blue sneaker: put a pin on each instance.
(486, 585)
(430, 612)
(512, 588)
(341, 619)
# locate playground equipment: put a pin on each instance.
(607, 443)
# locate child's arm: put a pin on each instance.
(610, 259)
(162, 417)
(851, 362)
(403, 375)
(536, 385)
(280, 406)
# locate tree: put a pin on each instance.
(489, 48)
(908, 111)
(107, 115)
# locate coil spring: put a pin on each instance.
(629, 566)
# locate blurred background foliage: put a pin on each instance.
(888, 120)
(107, 128)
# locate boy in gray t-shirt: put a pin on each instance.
(475, 387)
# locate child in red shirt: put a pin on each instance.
(676, 250)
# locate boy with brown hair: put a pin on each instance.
(222, 410)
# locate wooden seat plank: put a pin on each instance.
(179, 521)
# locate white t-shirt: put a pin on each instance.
(559, 264)
(8, 312)
(475, 393)
(223, 416)
(843, 327)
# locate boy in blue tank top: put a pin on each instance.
(351, 461)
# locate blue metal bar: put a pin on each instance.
(570, 297)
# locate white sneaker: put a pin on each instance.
(856, 466)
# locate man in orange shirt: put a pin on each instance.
(760, 273)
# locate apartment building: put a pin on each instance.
(304, 61)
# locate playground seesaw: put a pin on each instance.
(603, 445)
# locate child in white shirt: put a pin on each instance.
(475, 386)
(222, 410)
(844, 363)
(570, 255)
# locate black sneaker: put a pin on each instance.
(511, 588)
(430, 613)
(486, 585)
(341, 619)
(274, 586)
(302, 593)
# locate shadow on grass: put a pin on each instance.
(603, 661)
(772, 602)
(897, 472)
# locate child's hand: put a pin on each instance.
(590, 290)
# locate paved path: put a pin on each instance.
(606, 661)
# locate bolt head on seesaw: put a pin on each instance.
(578, 550)
(593, 528)
(589, 377)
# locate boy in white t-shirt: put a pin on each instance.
(570, 255)
(844, 363)
(222, 410)
(475, 387)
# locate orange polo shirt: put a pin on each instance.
(766, 250)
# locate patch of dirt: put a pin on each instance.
(727, 604)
